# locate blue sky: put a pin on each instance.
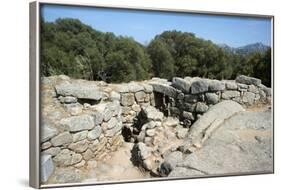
(144, 25)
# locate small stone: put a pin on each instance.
(46, 145)
(79, 136)
(52, 151)
(144, 151)
(98, 117)
(62, 139)
(152, 113)
(79, 146)
(73, 109)
(187, 115)
(95, 133)
(231, 85)
(149, 125)
(113, 131)
(67, 158)
(248, 97)
(112, 123)
(127, 99)
(88, 154)
(108, 113)
(69, 99)
(253, 89)
(136, 108)
(201, 107)
(230, 94)
(140, 96)
(212, 98)
(48, 132)
(150, 132)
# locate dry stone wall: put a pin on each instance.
(83, 121)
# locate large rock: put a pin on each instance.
(164, 89)
(201, 130)
(151, 113)
(199, 86)
(174, 158)
(140, 96)
(47, 167)
(185, 172)
(67, 158)
(248, 80)
(243, 144)
(48, 132)
(62, 139)
(79, 136)
(248, 97)
(83, 90)
(79, 146)
(201, 107)
(181, 84)
(216, 85)
(78, 123)
(144, 151)
(67, 175)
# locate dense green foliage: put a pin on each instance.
(75, 49)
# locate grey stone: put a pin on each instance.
(152, 113)
(112, 123)
(180, 96)
(95, 133)
(79, 146)
(231, 85)
(46, 145)
(199, 86)
(181, 84)
(53, 151)
(230, 94)
(201, 107)
(127, 99)
(48, 132)
(147, 88)
(78, 123)
(149, 125)
(69, 100)
(248, 97)
(107, 114)
(79, 136)
(191, 98)
(242, 87)
(164, 89)
(189, 107)
(140, 96)
(98, 117)
(62, 139)
(216, 85)
(67, 158)
(248, 80)
(47, 167)
(150, 132)
(187, 115)
(80, 90)
(253, 89)
(212, 98)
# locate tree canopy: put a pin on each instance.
(70, 47)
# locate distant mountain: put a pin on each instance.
(247, 49)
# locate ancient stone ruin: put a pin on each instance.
(165, 122)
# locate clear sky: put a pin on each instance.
(144, 25)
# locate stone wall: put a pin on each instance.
(83, 121)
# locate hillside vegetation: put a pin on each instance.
(72, 48)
